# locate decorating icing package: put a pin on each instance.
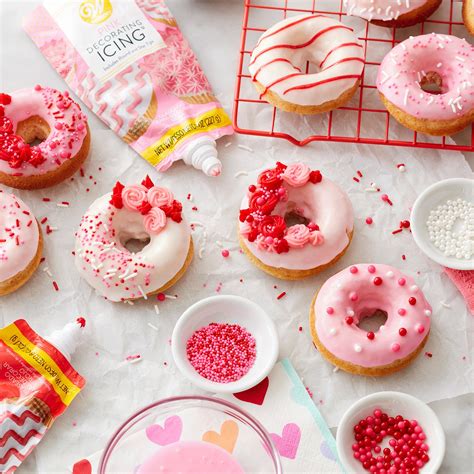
(292, 301)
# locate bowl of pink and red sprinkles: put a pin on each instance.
(390, 433)
(225, 344)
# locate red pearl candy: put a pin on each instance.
(349, 320)
(252, 188)
(405, 456)
(401, 281)
(402, 332)
(370, 335)
(378, 281)
(412, 300)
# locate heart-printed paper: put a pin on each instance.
(255, 395)
(169, 433)
(287, 444)
(227, 437)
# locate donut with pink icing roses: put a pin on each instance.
(356, 293)
(133, 242)
(295, 222)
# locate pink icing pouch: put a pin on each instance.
(129, 63)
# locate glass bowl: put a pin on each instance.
(190, 418)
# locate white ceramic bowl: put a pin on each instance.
(429, 200)
(393, 403)
(232, 310)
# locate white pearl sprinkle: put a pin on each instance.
(414, 288)
(333, 331)
(389, 274)
(458, 243)
(357, 348)
(427, 312)
(350, 312)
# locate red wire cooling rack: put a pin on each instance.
(353, 123)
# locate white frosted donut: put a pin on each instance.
(138, 212)
(278, 60)
(298, 250)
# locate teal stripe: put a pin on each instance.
(309, 404)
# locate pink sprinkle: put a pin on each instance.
(221, 353)
(401, 281)
(353, 270)
(225, 253)
(402, 312)
(369, 220)
(353, 296)
(330, 310)
(371, 269)
(395, 347)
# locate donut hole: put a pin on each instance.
(295, 217)
(432, 83)
(134, 245)
(370, 320)
(34, 130)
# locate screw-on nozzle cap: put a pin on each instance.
(67, 339)
(202, 154)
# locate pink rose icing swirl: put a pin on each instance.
(296, 174)
(158, 197)
(297, 236)
(155, 221)
(316, 238)
(133, 196)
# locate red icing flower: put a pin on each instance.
(144, 208)
(116, 199)
(282, 246)
(315, 176)
(270, 179)
(265, 204)
(272, 226)
(147, 182)
(244, 213)
(6, 125)
(5, 99)
(173, 211)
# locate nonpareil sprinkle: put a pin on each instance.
(221, 352)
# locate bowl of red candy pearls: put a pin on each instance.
(390, 433)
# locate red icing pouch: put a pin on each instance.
(37, 384)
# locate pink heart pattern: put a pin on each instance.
(170, 433)
(287, 444)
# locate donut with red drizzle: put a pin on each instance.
(294, 222)
(142, 212)
(21, 243)
(281, 64)
(356, 293)
(50, 117)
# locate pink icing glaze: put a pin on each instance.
(133, 196)
(64, 117)
(19, 235)
(407, 64)
(356, 292)
(325, 204)
(384, 10)
(191, 457)
(158, 197)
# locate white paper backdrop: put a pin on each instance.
(116, 388)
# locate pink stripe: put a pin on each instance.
(303, 45)
(98, 97)
(344, 45)
(319, 83)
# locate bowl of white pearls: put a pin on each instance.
(442, 223)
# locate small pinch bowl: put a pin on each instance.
(231, 310)
(393, 403)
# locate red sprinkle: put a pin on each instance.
(369, 220)
(225, 253)
(397, 231)
(281, 295)
(221, 353)
(160, 297)
(55, 285)
(386, 199)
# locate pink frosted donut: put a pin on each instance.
(319, 215)
(390, 13)
(20, 243)
(47, 115)
(139, 212)
(278, 61)
(357, 292)
(441, 61)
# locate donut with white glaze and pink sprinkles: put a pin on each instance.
(130, 214)
(21, 243)
(426, 83)
(51, 117)
(357, 293)
(278, 65)
(294, 222)
(389, 13)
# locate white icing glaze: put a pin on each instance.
(329, 207)
(104, 262)
(19, 236)
(384, 10)
(323, 41)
